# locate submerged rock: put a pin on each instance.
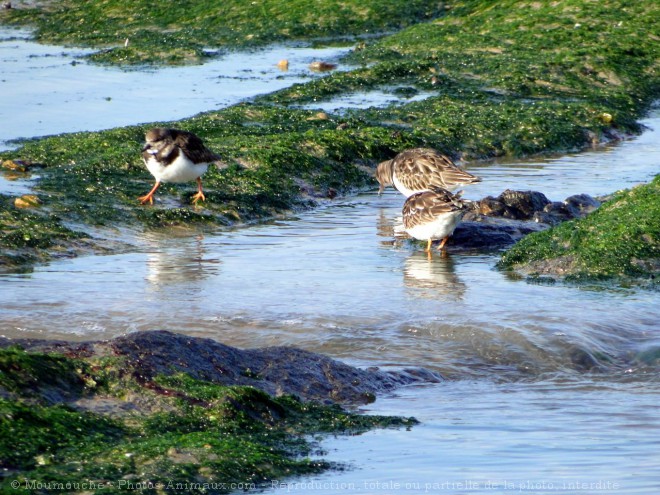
(274, 370)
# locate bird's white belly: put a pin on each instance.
(439, 228)
(180, 170)
(403, 189)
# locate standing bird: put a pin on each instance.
(419, 169)
(176, 156)
(433, 214)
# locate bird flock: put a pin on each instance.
(424, 176)
(427, 178)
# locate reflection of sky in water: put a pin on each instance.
(367, 99)
(16, 184)
(50, 90)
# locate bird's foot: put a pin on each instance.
(198, 196)
(147, 198)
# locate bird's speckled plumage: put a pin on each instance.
(433, 214)
(420, 169)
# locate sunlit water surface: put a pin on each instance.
(550, 388)
(50, 90)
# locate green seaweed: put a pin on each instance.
(619, 240)
(502, 78)
(33, 235)
(140, 32)
(24, 373)
(195, 437)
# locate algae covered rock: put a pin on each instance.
(161, 412)
(619, 240)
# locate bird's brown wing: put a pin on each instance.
(424, 207)
(194, 148)
(420, 168)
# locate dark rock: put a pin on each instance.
(275, 370)
(576, 206)
(488, 233)
(493, 207)
(553, 213)
(581, 204)
(517, 205)
(533, 205)
(523, 204)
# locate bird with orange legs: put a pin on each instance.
(176, 156)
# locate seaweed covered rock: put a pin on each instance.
(157, 411)
(619, 240)
(275, 370)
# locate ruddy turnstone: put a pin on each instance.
(433, 214)
(418, 169)
(176, 156)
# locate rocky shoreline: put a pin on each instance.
(158, 408)
(274, 370)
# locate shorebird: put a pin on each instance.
(419, 169)
(433, 214)
(172, 155)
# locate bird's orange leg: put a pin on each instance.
(150, 195)
(200, 194)
(442, 243)
(428, 250)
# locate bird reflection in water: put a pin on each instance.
(177, 258)
(387, 227)
(434, 276)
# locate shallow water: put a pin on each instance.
(478, 437)
(50, 90)
(550, 388)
